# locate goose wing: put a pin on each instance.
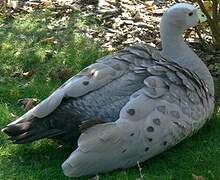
(91, 78)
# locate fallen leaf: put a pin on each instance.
(61, 73)
(46, 3)
(28, 73)
(111, 49)
(195, 177)
(34, 5)
(150, 6)
(51, 40)
(187, 34)
(137, 18)
(29, 103)
(208, 6)
(23, 74)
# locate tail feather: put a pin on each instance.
(13, 130)
(62, 124)
(31, 130)
(35, 135)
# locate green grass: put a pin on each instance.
(21, 50)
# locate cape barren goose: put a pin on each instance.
(147, 101)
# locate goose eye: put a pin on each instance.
(190, 14)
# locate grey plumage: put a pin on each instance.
(166, 110)
(150, 100)
(94, 93)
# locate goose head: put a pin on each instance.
(181, 17)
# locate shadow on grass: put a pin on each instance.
(26, 44)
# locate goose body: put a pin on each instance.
(147, 100)
(173, 104)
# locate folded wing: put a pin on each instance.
(173, 104)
